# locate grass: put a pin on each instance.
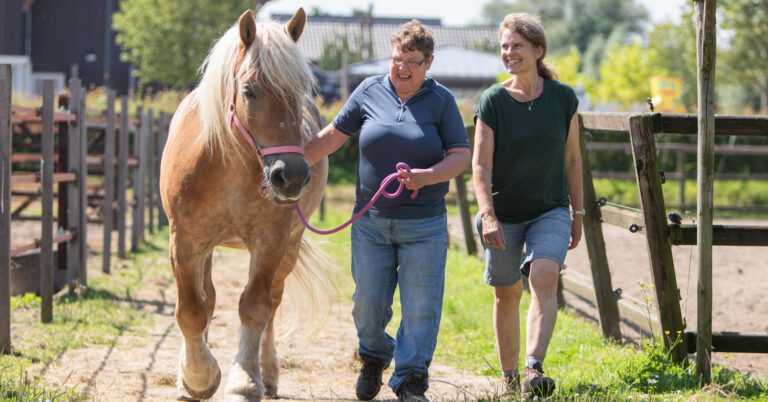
(732, 193)
(586, 365)
(98, 315)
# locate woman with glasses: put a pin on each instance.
(527, 172)
(403, 116)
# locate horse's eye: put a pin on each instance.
(250, 92)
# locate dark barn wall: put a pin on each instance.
(65, 31)
(12, 31)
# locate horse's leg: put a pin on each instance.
(270, 365)
(199, 373)
(244, 383)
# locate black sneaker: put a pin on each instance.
(369, 380)
(414, 387)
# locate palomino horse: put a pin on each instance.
(232, 179)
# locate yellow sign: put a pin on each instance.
(665, 94)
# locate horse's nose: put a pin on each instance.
(289, 178)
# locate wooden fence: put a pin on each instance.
(660, 234)
(79, 137)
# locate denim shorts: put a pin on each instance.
(546, 236)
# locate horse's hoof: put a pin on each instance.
(242, 398)
(195, 395)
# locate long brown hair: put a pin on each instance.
(529, 27)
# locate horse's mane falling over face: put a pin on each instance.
(272, 62)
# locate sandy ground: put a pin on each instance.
(318, 367)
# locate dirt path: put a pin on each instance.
(319, 367)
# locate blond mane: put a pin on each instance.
(275, 63)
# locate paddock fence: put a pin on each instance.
(78, 166)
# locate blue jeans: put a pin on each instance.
(409, 253)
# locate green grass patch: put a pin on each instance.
(96, 315)
(730, 193)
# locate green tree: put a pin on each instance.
(330, 59)
(167, 40)
(746, 22)
(625, 76)
(675, 47)
(574, 22)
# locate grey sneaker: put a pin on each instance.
(535, 384)
(369, 380)
(414, 387)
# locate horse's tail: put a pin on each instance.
(309, 290)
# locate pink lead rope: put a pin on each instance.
(382, 191)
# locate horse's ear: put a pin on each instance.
(295, 26)
(247, 28)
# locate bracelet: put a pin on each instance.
(578, 212)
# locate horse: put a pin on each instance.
(231, 173)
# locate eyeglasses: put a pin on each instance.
(412, 64)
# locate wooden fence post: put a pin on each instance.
(705, 57)
(162, 137)
(139, 183)
(466, 219)
(74, 206)
(136, 184)
(46, 188)
(109, 181)
(607, 305)
(122, 176)
(5, 208)
(657, 233)
(83, 163)
(150, 166)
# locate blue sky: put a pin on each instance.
(452, 12)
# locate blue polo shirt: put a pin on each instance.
(417, 132)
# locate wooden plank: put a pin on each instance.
(466, 219)
(62, 197)
(722, 235)
(705, 56)
(5, 208)
(601, 121)
(73, 189)
(46, 187)
(150, 166)
(139, 183)
(679, 147)
(122, 176)
(724, 125)
(623, 218)
(109, 182)
(731, 342)
(82, 231)
(656, 230)
(163, 126)
(598, 260)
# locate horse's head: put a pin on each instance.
(270, 84)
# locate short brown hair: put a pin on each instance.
(530, 28)
(414, 36)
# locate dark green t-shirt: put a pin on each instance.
(528, 175)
